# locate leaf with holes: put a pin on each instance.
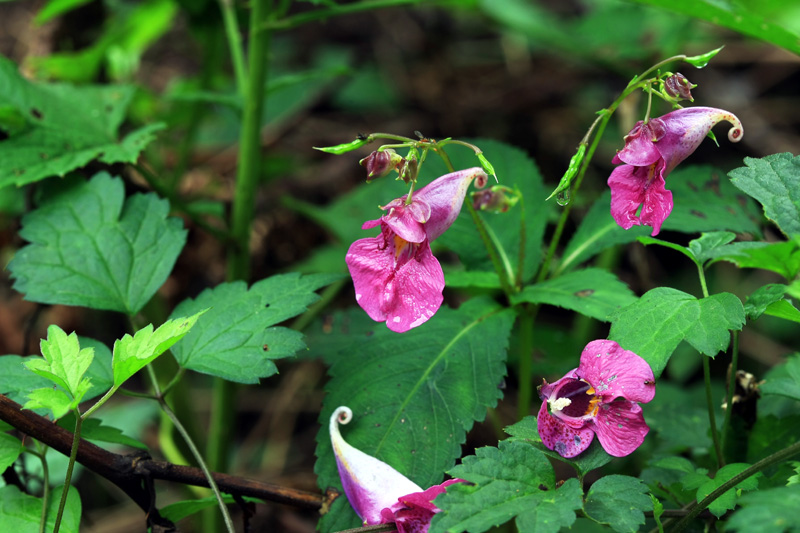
(59, 127)
(415, 395)
(237, 339)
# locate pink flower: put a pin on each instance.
(599, 398)
(378, 493)
(396, 277)
(651, 151)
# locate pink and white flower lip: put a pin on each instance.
(597, 398)
(651, 152)
(396, 277)
(378, 493)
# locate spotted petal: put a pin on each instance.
(615, 372)
(620, 427)
(558, 436)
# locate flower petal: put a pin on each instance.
(371, 265)
(634, 186)
(558, 436)
(370, 484)
(445, 195)
(620, 427)
(417, 291)
(615, 372)
(640, 149)
(413, 512)
(404, 219)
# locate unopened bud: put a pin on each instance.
(380, 162)
(497, 199)
(408, 168)
(677, 86)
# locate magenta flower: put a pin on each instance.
(651, 151)
(378, 493)
(599, 397)
(396, 277)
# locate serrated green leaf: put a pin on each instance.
(780, 257)
(89, 249)
(619, 501)
(704, 247)
(663, 317)
(21, 513)
(66, 127)
(93, 430)
(593, 457)
(237, 339)
(774, 181)
(702, 60)
(767, 511)
(784, 380)
(131, 354)
(56, 400)
(514, 481)
(704, 201)
(727, 500)
(10, 448)
(64, 362)
(592, 292)
(415, 395)
(471, 278)
(762, 298)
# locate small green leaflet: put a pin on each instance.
(61, 127)
(784, 380)
(770, 300)
(20, 512)
(10, 448)
(513, 481)
(663, 317)
(619, 501)
(775, 182)
(702, 60)
(91, 247)
(64, 363)
(131, 354)
(237, 339)
(767, 511)
(727, 500)
(93, 430)
(780, 257)
(592, 292)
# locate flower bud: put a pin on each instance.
(408, 168)
(497, 199)
(677, 86)
(380, 162)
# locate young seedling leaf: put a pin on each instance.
(90, 247)
(64, 362)
(619, 501)
(131, 354)
(237, 339)
(56, 400)
(513, 481)
(663, 317)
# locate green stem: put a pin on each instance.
(523, 242)
(764, 463)
(712, 419)
(73, 454)
(45, 486)
(525, 366)
(324, 14)
(234, 36)
(731, 387)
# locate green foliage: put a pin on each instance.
(59, 127)
(94, 430)
(767, 511)
(344, 148)
(21, 512)
(654, 325)
(786, 382)
(180, 510)
(727, 500)
(592, 292)
(770, 299)
(10, 448)
(774, 181)
(619, 501)
(513, 481)
(91, 247)
(414, 395)
(780, 257)
(237, 338)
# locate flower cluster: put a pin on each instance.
(597, 398)
(378, 493)
(651, 151)
(396, 277)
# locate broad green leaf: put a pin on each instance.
(471, 278)
(784, 380)
(742, 17)
(55, 400)
(704, 201)
(99, 372)
(780, 257)
(131, 354)
(415, 395)
(654, 325)
(21, 513)
(237, 339)
(592, 292)
(783, 309)
(769, 299)
(64, 362)
(594, 456)
(704, 247)
(66, 127)
(92, 429)
(10, 448)
(679, 430)
(334, 333)
(767, 511)
(774, 181)
(727, 500)
(771, 434)
(91, 247)
(514, 480)
(16, 380)
(619, 501)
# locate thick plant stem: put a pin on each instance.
(73, 454)
(698, 507)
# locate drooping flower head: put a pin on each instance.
(396, 277)
(597, 398)
(378, 493)
(651, 151)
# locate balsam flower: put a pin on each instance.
(651, 151)
(396, 277)
(378, 493)
(599, 397)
